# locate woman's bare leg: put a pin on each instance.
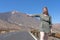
(46, 36)
(42, 34)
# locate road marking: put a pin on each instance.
(32, 35)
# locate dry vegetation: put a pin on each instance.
(8, 27)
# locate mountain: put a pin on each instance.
(20, 19)
(8, 26)
(56, 27)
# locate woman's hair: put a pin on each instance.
(46, 11)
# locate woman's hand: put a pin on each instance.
(50, 33)
(51, 30)
(29, 15)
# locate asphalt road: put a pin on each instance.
(23, 35)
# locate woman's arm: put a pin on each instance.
(34, 15)
(50, 22)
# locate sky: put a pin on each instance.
(32, 7)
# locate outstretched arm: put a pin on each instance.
(34, 15)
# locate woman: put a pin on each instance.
(45, 24)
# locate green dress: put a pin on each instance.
(45, 22)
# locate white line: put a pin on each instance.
(32, 35)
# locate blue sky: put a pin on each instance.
(32, 7)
